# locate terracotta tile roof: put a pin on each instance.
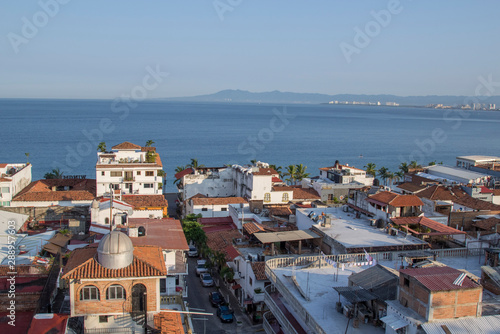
(411, 187)
(3, 165)
(148, 149)
(279, 210)
(476, 204)
(496, 192)
(326, 169)
(485, 190)
(252, 228)
(41, 190)
(165, 233)
(198, 195)
(217, 200)
(396, 200)
(168, 323)
(141, 201)
(184, 172)
(148, 261)
(299, 193)
(126, 146)
(418, 179)
(439, 278)
(55, 324)
(442, 193)
(215, 220)
(231, 252)
(487, 224)
(276, 179)
(259, 269)
(424, 221)
(265, 171)
(219, 240)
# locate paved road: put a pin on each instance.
(198, 299)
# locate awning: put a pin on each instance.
(236, 286)
(248, 302)
(394, 322)
(355, 294)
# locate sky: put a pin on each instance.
(104, 49)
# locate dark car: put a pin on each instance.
(225, 314)
(215, 298)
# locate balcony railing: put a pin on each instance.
(128, 179)
(269, 324)
(276, 311)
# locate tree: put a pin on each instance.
(54, 174)
(371, 169)
(382, 172)
(300, 172)
(27, 158)
(291, 170)
(253, 161)
(194, 232)
(194, 164)
(278, 169)
(101, 147)
(149, 143)
(390, 177)
(414, 165)
(179, 169)
(219, 258)
(403, 167)
(398, 176)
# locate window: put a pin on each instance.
(223, 209)
(148, 185)
(138, 172)
(285, 197)
(103, 318)
(116, 291)
(163, 285)
(250, 281)
(103, 173)
(116, 174)
(267, 197)
(150, 173)
(204, 209)
(5, 190)
(406, 282)
(89, 292)
(330, 197)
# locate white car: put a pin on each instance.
(192, 252)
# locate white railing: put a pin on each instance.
(266, 325)
(278, 314)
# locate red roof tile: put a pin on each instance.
(252, 228)
(148, 261)
(54, 325)
(3, 165)
(42, 190)
(126, 146)
(217, 200)
(487, 224)
(215, 220)
(231, 252)
(439, 278)
(265, 171)
(299, 193)
(476, 204)
(184, 172)
(259, 269)
(442, 193)
(424, 221)
(165, 233)
(218, 241)
(411, 187)
(276, 179)
(485, 190)
(279, 210)
(141, 201)
(168, 323)
(396, 200)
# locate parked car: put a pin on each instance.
(201, 262)
(192, 252)
(215, 298)
(201, 269)
(206, 280)
(225, 314)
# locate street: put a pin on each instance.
(198, 302)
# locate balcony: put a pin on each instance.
(270, 324)
(287, 322)
(129, 179)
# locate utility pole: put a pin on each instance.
(110, 207)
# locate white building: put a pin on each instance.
(212, 206)
(129, 169)
(13, 179)
(345, 174)
(467, 161)
(454, 175)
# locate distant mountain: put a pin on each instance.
(242, 96)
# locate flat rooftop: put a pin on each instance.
(352, 232)
(455, 171)
(478, 158)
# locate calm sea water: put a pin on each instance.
(65, 133)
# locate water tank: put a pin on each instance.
(115, 251)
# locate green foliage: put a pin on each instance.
(403, 167)
(150, 157)
(193, 231)
(194, 164)
(279, 169)
(101, 147)
(149, 143)
(371, 169)
(227, 273)
(54, 174)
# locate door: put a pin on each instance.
(138, 298)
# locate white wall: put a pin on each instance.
(214, 185)
(50, 203)
(18, 181)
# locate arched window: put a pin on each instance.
(285, 197)
(267, 197)
(89, 292)
(116, 291)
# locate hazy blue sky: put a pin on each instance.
(100, 49)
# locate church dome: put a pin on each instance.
(115, 251)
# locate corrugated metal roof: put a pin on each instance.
(266, 237)
(439, 278)
(484, 325)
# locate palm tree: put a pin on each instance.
(278, 169)
(149, 143)
(253, 161)
(371, 169)
(54, 174)
(382, 172)
(403, 167)
(291, 171)
(432, 163)
(177, 170)
(101, 147)
(194, 164)
(300, 172)
(414, 164)
(398, 176)
(27, 158)
(390, 176)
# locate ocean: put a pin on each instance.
(64, 133)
